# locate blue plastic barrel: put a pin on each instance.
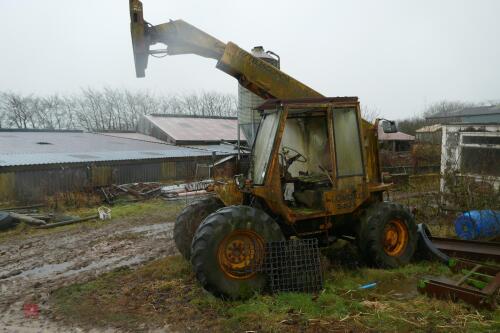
(477, 224)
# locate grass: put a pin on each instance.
(156, 210)
(166, 292)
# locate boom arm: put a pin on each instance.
(180, 37)
(253, 73)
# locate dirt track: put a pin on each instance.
(30, 268)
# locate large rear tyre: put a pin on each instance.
(188, 221)
(387, 235)
(227, 247)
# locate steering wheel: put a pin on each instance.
(298, 157)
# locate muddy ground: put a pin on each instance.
(34, 265)
(126, 275)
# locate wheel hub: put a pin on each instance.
(239, 253)
(395, 238)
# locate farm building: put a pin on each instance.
(471, 151)
(395, 148)
(185, 129)
(426, 151)
(36, 164)
(472, 115)
(219, 134)
(395, 142)
(429, 134)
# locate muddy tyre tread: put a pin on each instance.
(189, 219)
(370, 234)
(205, 242)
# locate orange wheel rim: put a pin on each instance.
(395, 238)
(240, 253)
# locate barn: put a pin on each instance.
(35, 164)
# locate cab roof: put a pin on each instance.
(273, 103)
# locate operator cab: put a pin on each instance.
(308, 136)
(305, 157)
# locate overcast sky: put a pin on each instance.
(397, 56)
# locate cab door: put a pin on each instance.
(350, 188)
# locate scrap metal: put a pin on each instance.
(478, 286)
(477, 250)
(289, 265)
(140, 191)
(67, 222)
(480, 282)
(293, 266)
(445, 248)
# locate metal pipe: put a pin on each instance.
(468, 249)
(277, 58)
(58, 224)
(239, 143)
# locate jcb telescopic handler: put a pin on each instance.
(314, 172)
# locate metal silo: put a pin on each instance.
(248, 118)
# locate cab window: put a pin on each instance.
(347, 142)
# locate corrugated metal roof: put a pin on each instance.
(60, 158)
(475, 111)
(221, 148)
(224, 159)
(34, 148)
(430, 128)
(133, 136)
(398, 136)
(197, 128)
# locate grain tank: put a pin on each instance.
(248, 118)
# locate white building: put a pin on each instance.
(471, 150)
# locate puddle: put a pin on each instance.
(114, 262)
(399, 289)
(152, 228)
(63, 269)
(46, 270)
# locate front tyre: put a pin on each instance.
(226, 248)
(188, 221)
(387, 235)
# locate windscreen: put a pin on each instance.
(347, 142)
(263, 146)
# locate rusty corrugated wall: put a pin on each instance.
(34, 183)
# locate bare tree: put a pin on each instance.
(370, 113)
(106, 109)
(446, 108)
(18, 110)
(51, 113)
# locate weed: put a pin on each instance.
(166, 291)
(157, 211)
(67, 200)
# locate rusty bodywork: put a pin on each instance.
(256, 75)
(284, 94)
(343, 194)
(314, 171)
